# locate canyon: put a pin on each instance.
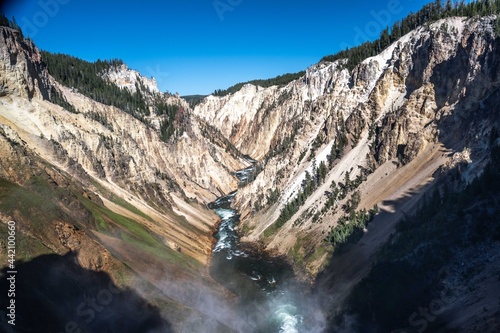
(103, 185)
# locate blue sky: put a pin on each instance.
(197, 46)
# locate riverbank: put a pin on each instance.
(265, 284)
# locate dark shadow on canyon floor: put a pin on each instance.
(53, 293)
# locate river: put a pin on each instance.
(268, 292)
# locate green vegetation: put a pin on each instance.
(317, 142)
(33, 203)
(173, 122)
(171, 183)
(409, 268)
(106, 219)
(5, 22)
(194, 100)
(181, 220)
(128, 206)
(99, 117)
(35, 210)
(350, 227)
(308, 186)
(86, 77)
(57, 98)
(168, 109)
(305, 251)
(27, 247)
(133, 233)
(311, 183)
(428, 14)
(272, 196)
(39, 207)
(337, 148)
(215, 136)
(283, 145)
(279, 80)
(267, 200)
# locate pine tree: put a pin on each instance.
(384, 38)
(322, 170)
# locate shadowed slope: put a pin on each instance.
(55, 294)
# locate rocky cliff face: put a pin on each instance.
(21, 67)
(97, 181)
(113, 154)
(402, 114)
(103, 185)
(383, 129)
(126, 78)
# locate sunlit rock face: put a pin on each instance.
(100, 144)
(404, 109)
(126, 78)
(427, 91)
(425, 105)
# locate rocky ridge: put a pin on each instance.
(169, 183)
(409, 107)
(127, 78)
(401, 118)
